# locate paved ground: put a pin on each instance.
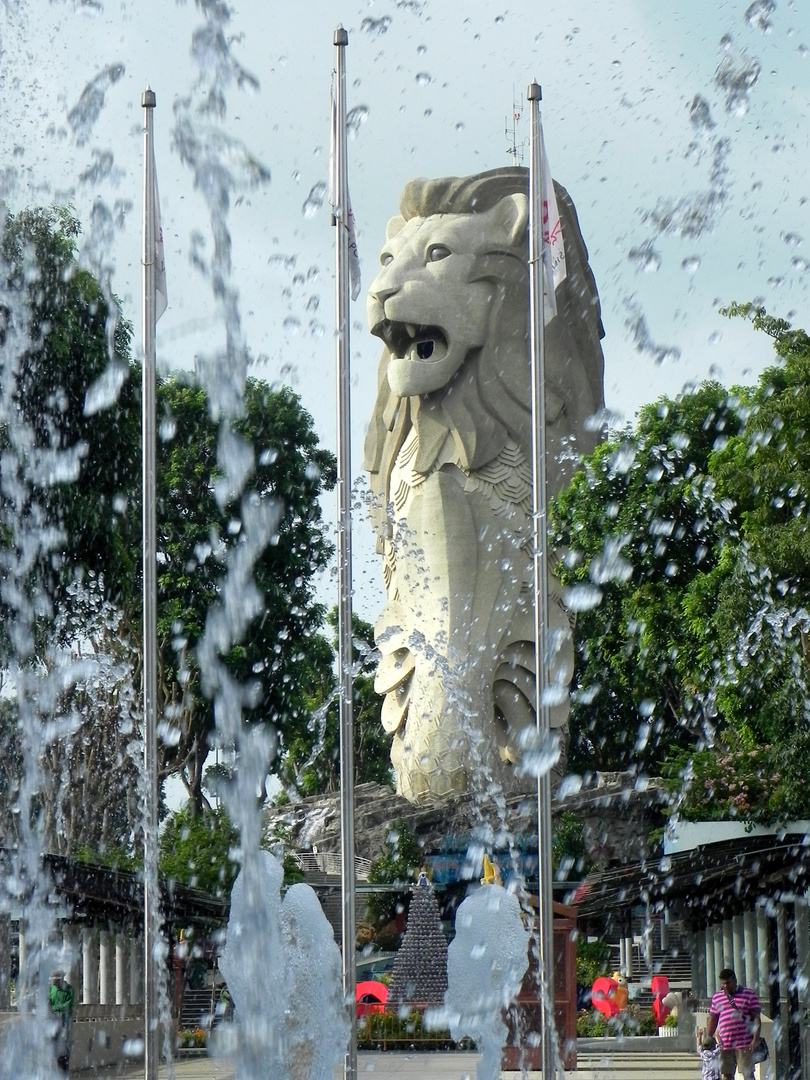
(635, 1066)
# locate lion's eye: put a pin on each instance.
(386, 258)
(438, 252)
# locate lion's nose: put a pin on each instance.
(382, 293)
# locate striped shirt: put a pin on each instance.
(735, 1017)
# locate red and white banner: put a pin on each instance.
(554, 269)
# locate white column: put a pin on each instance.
(72, 949)
(136, 969)
(727, 945)
(750, 958)
(628, 950)
(719, 956)
(106, 970)
(711, 969)
(763, 958)
(121, 969)
(697, 945)
(738, 948)
(90, 966)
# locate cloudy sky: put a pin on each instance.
(680, 130)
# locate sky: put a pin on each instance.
(680, 131)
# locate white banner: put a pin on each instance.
(334, 197)
(554, 268)
(161, 292)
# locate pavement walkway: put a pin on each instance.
(447, 1066)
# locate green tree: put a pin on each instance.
(70, 501)
(64, 362)
(283, 654)
(200, 850)
(311, 761)
(398, 864)
(636, 534)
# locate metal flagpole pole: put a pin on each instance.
(545, 912)
(150, 882)
(344, 548)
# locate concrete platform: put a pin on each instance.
(665, 1065)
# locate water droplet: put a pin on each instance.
(297, 176)
(423, 78)
(645, 258)
(792, 239)
(314, 201)
(428, 112)
(616, 64)
(316, 329)
(291, 324)
(737, 78)
(313, 303)
(700, 115)
(355, 119)
(376, 27)
(715, 337)
(313, 273)
(691, 264)
(460, 126)
(582, 597)
(421, 50)
(759, 14)
(168, 429)
(298, 279)
(540, 755)
(800, 264)
(499, 19)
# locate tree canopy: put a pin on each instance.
(70, 520)
(685, 543)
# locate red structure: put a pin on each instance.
(516, 1054)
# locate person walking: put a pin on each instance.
(734, 1015)
(61, 997)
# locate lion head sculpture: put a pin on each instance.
(448, 452)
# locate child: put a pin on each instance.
(709, 1056)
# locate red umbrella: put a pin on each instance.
(371, 996)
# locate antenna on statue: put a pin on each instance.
(515, 148)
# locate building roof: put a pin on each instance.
(707, 883)
(99, 894)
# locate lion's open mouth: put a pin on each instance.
(411, 341)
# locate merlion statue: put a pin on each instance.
(448, 451)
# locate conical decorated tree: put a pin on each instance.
(420, 969)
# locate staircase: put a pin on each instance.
(675, 961)
(202, 1008)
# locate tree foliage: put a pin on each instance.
(283, 653)
(311, 760)
(200, 850)
(64, 349)
(692, 531)
(70, 514)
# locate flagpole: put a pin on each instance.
(344, 547)
(150, 882)
(545, 911)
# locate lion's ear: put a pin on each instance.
(512, 215)
(395, 225)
